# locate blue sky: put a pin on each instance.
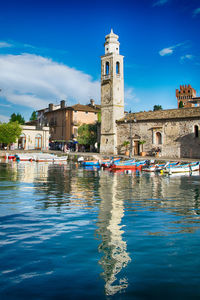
(50, 50)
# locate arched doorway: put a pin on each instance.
(22, 141)
(158, 138)
(38, 141)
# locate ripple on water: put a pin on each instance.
(70, 233)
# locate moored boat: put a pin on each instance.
(99, 162)
(158, 167)
(128, 165)
(189, 167)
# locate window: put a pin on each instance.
(107, 68)
(196, 131)
(158, 138)
(117, 67)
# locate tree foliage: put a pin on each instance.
(181, 104)
(33, 116)
(17, 118)
(9, 132)
(157, 107)
(87, 134)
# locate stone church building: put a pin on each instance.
(171, 133)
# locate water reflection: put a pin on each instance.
(114, 248)
(159, 211)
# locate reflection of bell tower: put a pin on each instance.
(112, 93)
(110, 228)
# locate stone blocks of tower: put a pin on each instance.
(112, 94)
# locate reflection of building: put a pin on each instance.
(33, 137)
(64, 120)
(111, 212)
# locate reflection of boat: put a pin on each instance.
(128, 165)
(193, 173)
(190, 167)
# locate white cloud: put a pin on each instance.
(187, 57)
(170, 50)
(196, 12)
(166, 51)
(5, 45)
(160, 2)
(130, 96)
(4, 119)
(35, 81)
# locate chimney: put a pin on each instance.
(92, 102)
(50, 106)
(62, 104)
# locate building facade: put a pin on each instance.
(187, 95)
(64, 120)
(112, 94)
(33, 138)
(169, 133)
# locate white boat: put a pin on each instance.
(190, 167)
(24, 156)
(43, 157)
(158, 167)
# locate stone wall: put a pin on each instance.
(175, 138)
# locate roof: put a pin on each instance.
(78, 107)
(181, 113)
(89, 107)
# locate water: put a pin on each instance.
(70, 233)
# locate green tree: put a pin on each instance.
(157, 107)
(9, 132)
(87, 134)
(33, 116)
(17, 118)
(180, 104)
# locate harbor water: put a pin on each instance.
(72, 233)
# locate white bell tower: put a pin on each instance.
(112, 93)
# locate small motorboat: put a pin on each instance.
(99, 162)
(158, 167)
(128, 165)
(189, 167)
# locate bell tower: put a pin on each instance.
(112, 93)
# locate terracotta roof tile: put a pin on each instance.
(181, 113)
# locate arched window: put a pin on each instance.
(117, 67)
(158, 138)
(196, 131)
(107, 68)
(22, 141)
